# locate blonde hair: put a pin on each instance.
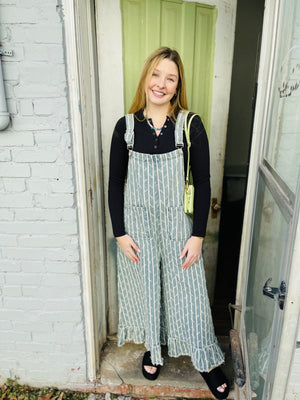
(179, 101)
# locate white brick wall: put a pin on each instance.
(41, 316)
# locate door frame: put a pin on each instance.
(83, 86)
(110, 52)
(287, 341)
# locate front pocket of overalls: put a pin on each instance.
(137, 221)
(180, 224)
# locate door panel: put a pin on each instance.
(187, 27)
(274, 212)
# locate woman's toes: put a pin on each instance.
(149, 369)
(222, 388)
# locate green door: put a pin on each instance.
(187, 27)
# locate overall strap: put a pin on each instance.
(129, 134)
(179, 129)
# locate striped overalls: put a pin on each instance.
(159, 302)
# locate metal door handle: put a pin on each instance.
(275, 293)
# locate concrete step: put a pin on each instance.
(120, 373)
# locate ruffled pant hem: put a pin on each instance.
(203, 358)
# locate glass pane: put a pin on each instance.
(265, 262)
(283, 126)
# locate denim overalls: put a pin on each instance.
(159, 302)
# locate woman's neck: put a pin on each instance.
(157, 112)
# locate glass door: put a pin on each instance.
(274, 214)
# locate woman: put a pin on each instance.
(161, 284)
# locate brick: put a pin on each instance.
(33, 326)
(56, 254)
(47, 34)
(32, 266)
(43, 214)
(31, 291)
(11, 315)
(18, 253)
(11, 15)
(63, 293)
(8, 240)
(35, 73)
(44, 241)
(5, 155)
(62, 254)
(51, 171)
(70, 304)
(33, 348)
(11, 169)
(51, 12)
(72, 316)
(8, 138)
(19, 34)
(55, 53)
(23, 303)
(59, 267)
(23, 279)
(8, 336)
(10, 266)
(14, 185)
(44, 106)
(30, 90)
(23, 199)
(63, 186)
(26, 107)
(42, 337)
(29, 123)
(12, 291)
(6, 325)
(38, 185)
(36, 52)
(45, 137)
(61, 281)
(35, 155)
(54, 200)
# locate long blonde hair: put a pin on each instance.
(179, 101)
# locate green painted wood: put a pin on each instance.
(189, 27)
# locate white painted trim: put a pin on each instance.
(76, 125)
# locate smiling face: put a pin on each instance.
(162, 84)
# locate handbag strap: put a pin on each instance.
(187, 126)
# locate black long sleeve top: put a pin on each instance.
(146, 141)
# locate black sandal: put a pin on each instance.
(214, 379)
(147, 362)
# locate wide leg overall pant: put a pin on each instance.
(159, 302)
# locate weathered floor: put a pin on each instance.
(121, 374)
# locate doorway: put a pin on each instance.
(249, 20)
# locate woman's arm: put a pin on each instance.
(117, 176)
(200, 167)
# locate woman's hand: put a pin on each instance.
(192, 251)
(128, 246)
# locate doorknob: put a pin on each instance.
(275, 293)
(215, 207)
